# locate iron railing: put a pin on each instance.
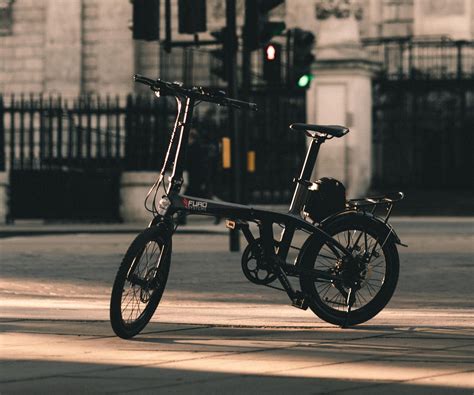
(408, 58)
(93, 133)
(50, 132)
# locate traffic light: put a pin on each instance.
(272, 63)
(146, 20)
(258, 30)
(220, 67)
(303, 41)
(192, 16)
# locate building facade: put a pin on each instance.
(84, 46)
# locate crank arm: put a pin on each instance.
(297, 297)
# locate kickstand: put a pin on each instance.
(350, 301)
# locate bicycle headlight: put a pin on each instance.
(163, 205)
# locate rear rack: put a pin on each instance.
(372, 203)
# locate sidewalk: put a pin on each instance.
(83, 357)
(195, 224)
(214, 332)
(35, 228)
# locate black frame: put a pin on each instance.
(237, 213)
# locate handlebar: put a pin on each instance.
(197, 93)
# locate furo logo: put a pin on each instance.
(194, 205)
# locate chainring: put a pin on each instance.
(253, 264)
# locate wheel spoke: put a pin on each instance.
(364, 244)
(361, 296)
(326, 290)
(328, 257)
(140, 282)
(132, 304)
(369, 289)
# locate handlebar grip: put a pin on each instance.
(143, 80)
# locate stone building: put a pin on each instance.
(80, 47)
(85, 46)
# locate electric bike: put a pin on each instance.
(347, 267)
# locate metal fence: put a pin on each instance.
(92, 134)
(408, 58)
(278, 152)
(45, 133)
(86, 133)
(63, 157)
(422, 113)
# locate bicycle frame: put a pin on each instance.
(330, 288)
(239, 214)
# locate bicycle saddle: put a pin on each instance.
(332, 130)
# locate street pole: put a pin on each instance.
(168, 38)
(246, 83)
(245, 125)
(231, 62)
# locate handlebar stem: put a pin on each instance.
(186, 99)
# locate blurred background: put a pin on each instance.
(80, 141)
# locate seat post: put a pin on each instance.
(299, 196)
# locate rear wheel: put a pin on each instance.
(374, 271)
(140, 282)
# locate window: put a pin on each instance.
(6, 17)
(397, 11)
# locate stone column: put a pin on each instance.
(115, 50)
(63, 47)
(341, 95)
(134, 187)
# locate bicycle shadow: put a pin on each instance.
(222, 359)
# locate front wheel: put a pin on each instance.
(376, 271)
(140, 282)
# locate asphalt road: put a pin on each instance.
(215, 332)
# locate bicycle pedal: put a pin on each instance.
(300, 303)
(229, 224)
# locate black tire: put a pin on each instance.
(327, 299)
(140, 282)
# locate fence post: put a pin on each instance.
(341, 94)
(459, 71)
(2, 134)
(400, 60)
(128, 130)
(12, 132)
(31, 131)
(3, 173)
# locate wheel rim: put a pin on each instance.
(370, 272)
(141, 282)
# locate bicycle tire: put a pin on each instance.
(145, 283)
(331, 309)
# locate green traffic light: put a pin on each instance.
(304, 80)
